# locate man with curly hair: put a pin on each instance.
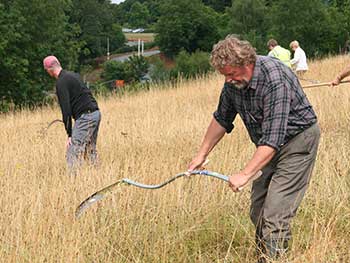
(281, 122)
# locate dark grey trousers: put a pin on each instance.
(277, 194)
(84, 139)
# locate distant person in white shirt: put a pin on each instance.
(299, 60)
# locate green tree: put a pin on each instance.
(95, 18)
(341, 18)
(154, 9)
(117, 37)
(339, 27)
(139, 66)
(122, 11)
(138, 15)
(159, 72)
(218, 5)
(31, 30)
(315, 25)
(186, 24)
(131, 70)
(190, 65)
(248, 19)
(113, 70)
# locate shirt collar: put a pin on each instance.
(254, 81)
(61, 73)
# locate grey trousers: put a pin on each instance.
(277, 194)
(84, 139)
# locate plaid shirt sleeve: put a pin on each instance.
(277, 103)
(225, 113)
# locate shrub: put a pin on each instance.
(158, 71)
(132, 70)
(113, 69)
(190, 65)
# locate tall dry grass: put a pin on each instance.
(150, 137)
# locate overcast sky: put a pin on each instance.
(117, 1)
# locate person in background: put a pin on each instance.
(341, 76)
(77, 102)
(282, 124)
(278, 52)
(299, 61)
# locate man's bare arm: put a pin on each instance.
(212, 136)
(341, 76)
(262, 156)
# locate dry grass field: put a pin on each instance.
(149, 137)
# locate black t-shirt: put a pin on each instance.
(74, 98)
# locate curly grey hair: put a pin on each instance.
(232, 51)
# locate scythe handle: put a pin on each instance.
(323, 84)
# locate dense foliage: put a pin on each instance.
(186, 26)
(31, 30)
(78, 31)
(133, 70)
(191, 65)
(322, 27)
(98, 27)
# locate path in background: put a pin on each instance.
(145, 54)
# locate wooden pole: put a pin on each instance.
(323, 84)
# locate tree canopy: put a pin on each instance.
(186, 26)
(31, 30)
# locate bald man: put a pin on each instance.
(77, 102)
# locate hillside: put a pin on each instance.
(149, 137)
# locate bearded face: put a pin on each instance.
(239, 76)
